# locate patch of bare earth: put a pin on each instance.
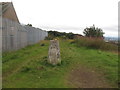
(85, 78)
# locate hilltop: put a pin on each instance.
(81, 67)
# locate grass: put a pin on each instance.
(96, 43)
(27, 67)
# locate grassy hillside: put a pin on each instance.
(27, 68)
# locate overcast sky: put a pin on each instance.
(69, 15)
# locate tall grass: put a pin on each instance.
(96, 43)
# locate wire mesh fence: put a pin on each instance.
(16, 36)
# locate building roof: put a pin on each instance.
(8, 11)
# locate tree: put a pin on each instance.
(29, 25)
(93, 32)
(70, 35)
(55, 34)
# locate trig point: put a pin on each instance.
(54, 53)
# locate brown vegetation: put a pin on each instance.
(96, 43)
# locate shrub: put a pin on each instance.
(25, 69)
(49, 38)
(93, 32)
(42, 44)
(96, 43)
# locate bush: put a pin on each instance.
(49, 38)
(42, 44)
(96, 43)
(93, 32)
(25, 69)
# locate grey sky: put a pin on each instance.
(69, 15)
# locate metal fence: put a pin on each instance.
(16, 36)
(0, 47)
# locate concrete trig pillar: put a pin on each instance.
(54, 53)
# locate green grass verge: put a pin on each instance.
(27, 67)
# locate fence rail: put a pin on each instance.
(16, 36)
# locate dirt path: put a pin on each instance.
(85, 78)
